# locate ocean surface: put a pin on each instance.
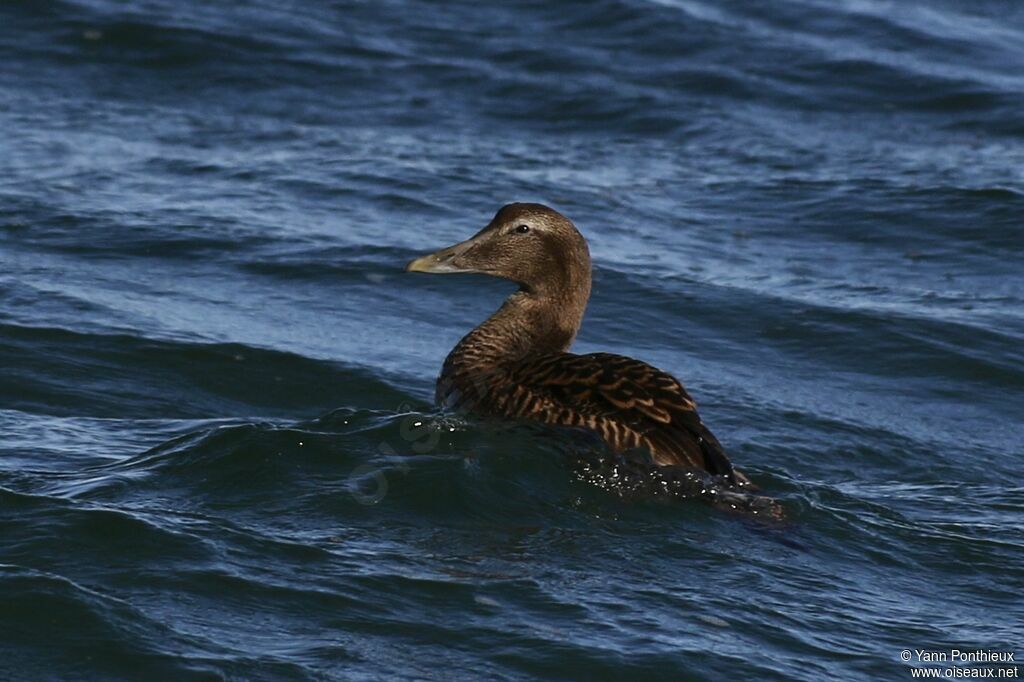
(219, 457)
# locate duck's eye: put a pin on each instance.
(522, 229)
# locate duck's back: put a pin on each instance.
(629, 403)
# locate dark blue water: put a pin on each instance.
(218, 453)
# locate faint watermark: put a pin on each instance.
(421, 434)
(369, 482)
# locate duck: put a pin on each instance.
(517, 365)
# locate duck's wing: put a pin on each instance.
(630, 403)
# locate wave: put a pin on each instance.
(64, 372)
(39, 607)
(658, 59)
(427, 465)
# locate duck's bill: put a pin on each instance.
(443, 261)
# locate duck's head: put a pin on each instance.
(533, 245)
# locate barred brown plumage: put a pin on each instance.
(516, 364)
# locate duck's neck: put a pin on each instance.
(527, 324)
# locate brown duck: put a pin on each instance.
(516, 364)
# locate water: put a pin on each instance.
(219, 454)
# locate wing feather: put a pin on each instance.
(630, 403)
